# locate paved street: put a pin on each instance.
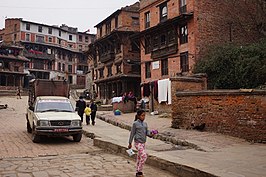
(20, 157)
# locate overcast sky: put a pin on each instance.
(83, 14)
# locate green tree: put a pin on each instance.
(234, 67)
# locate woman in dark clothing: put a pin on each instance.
(80, 107)
(93, 112)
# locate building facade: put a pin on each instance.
(11, 67)
(114, 58)
(53, 51)
(175, 34)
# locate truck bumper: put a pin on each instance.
(58, 131)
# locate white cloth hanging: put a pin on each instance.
(164, 91)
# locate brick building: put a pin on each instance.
(53, 51)
(174, 34)
(115, 59)
(11, 67)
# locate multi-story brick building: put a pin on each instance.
(114, 58)
(174, 34)
(11, 67)
(53, 51)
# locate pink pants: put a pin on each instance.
(141, 156)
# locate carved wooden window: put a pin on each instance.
(63, 67)
(147, 45)
(40, 29)
(109, 69)
(50, 30)
(70, 37)
(27, 26)
(118, 68)
(49, 65)
(183, 6)
(184, 64)
(27, 37)
(164, 68)
(80, 38)
(69, 68)
(147, 19)
(148, 70)
(59, 67)
(163, 40)
(171, 37)
(155, 42)
(163, 12)
(40, 39)
(183, 34)
(108, 27)
(101, 73)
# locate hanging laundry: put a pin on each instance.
(164, 91)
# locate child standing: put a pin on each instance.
(87, 112)
(139, 132)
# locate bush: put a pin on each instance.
(234, 67)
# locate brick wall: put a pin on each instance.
(232, 112)
(182, 83)
(218, 21)
(11, 30)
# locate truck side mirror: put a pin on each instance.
(31, 108)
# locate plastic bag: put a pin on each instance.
(130, 152)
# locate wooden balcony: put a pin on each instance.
(107, 57)
(164, 51)
(38, 54)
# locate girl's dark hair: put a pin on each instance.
(139, 112)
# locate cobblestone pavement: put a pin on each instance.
(16, 142)
(57, 157)
(96, 164)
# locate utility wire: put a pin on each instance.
(53, 8)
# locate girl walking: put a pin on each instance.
(139, 132)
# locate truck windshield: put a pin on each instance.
(54, 105)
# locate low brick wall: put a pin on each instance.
(182, 83)
(239, 113)
(124, 107)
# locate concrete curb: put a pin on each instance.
(159, 136)
(174, 168)
(153, 160)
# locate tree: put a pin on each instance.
(234, 67)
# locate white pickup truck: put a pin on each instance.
(51, 113)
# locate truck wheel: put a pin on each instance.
(35, 138)
(29, 130)
(77, 137)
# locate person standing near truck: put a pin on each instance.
(93, 111)
(80, 107)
